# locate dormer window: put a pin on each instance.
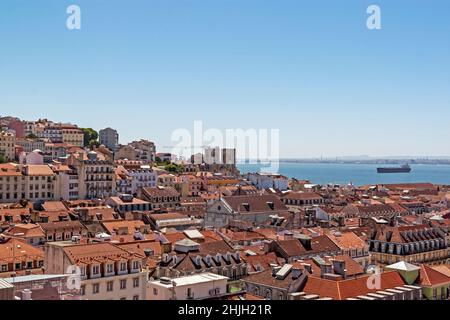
(135, 265)
(96, 269)
(123, 266)
(110, 268)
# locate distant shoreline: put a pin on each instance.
(375, 161)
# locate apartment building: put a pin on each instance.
(19, 258)
(55, 150)
(127, 203)
(107, 272)
(195, 287)
(63, 230)
(412, 244)
(195, 184)
(302, 199)
(7, 145)
(30, 127)
(31, 233)
(65, 133)
(29, 145)
(96, 178)
(268, 180)
(66, 182)
(192, 257)
(352, 245)
(250, 208)
(131, 179)
(143, 150)
(109, 138)
(31, 182)
(160, 197)
(166, 180)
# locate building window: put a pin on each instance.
(83, 290)
(96, 269)
(109, 286)
(110, 268)
(155, 291)
(95, 288)
(18, 266)
(189, 293)
(4, 267)
(135, 282)
(135, 265)
(123, 266)
(123, 284)
(135, 297)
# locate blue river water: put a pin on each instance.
(358, 174)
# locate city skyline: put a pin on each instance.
(331, 86)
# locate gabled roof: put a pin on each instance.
(248, 204)
(160, 192)
(319, 244)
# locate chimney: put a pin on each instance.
(275, 268)
(307, 267)
(296, 273)
(26, 294)
(288, 235)
(324, 269)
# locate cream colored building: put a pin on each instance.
(7, 145)
(96, 177)
(166, 180)
(107, 272)
(31, 182)
(65, 133)
(73, 136)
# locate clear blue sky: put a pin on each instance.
(310, 68)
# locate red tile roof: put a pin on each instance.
(430, 277)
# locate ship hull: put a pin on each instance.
(393, 170)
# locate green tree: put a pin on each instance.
(174, 168)
(2, 159)
(31, 136)
(90, 136)
(93, 143)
